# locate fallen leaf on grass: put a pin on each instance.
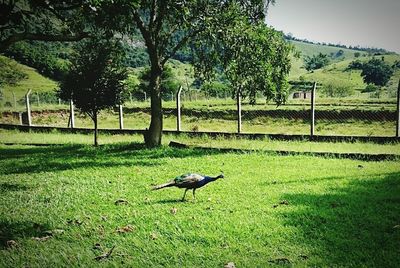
(284, 202)
(174, 210)
(153, 236)
(229, 265)
(41, 239)
(54, 232)
(12, 244)
(126, 229)
(121, 202)
(105, 255)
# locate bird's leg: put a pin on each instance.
(183, 198)
(194, 196)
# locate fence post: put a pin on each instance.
(59, 101)
(121, 118)
(398, 112)
(178, 109)
(28, 108)
(38, 100)
(14, 99)
(313, 109)
(71, 114)
(239, 110)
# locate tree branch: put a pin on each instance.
(180, 44)
(4, 44)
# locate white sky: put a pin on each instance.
(368, 23)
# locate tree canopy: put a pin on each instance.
(95, 81)
(377, 72)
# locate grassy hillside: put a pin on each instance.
(336, 73)
(35, 81)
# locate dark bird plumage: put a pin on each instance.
(189, 181)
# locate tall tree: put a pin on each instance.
(95, 81)
(167, 26)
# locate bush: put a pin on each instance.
(316, 62)
(215, 89)
(331, 90)
(370, 88)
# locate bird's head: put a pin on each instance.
(221, 176)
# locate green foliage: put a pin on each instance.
(340, 91)
(254, 58)
(357, 54)
(10, 72)
(377, 72)
(370, 88)
(216, 89)
(169, 84)
(136, 56)
(316, 61)
(44, 57)
(355, 65)
(95, 81)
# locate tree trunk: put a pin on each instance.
(153, 135)
(95, 130)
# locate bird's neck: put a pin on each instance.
(209, 179)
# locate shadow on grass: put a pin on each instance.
(353, 226)
(12, 187)
(15, 230)
(65, 157)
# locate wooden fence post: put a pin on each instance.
(313, 109)
(121, 118)
(398, 112)
(239, 111)
(28, 108)
(71, 114)
(178, 109)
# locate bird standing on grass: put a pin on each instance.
(189, 181)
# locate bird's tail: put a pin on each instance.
(168, 184)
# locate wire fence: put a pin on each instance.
(363, 114)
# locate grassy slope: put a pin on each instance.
(335, 72)
(35, 81)
(299, 211)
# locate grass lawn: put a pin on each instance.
(270, 210)
(17, 137)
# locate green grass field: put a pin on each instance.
(58, 203)
(56, 138)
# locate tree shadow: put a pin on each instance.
(351, 226)
(15, 230)
(12, 187)
(65, 157)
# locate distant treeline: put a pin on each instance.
(369, 50)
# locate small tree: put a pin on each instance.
(95, 81)
(316, 62)
(377, 72)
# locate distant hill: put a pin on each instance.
(34, 81)
(335, 72)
